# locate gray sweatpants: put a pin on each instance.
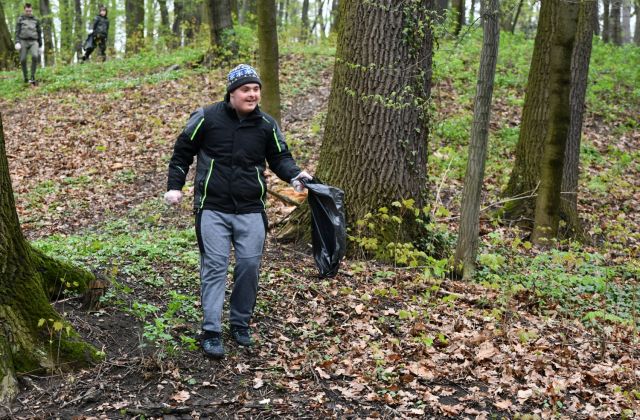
(216, 232)
(29, 48)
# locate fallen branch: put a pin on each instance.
(282, 197)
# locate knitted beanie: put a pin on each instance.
(241, 75)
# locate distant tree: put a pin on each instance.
(134, 25)
(268, 61)
(150, 17)
(626, 21)
(335, 16)
(636, 32)
(579, 76)
(114, 12)
(78, 28)
(178, 19)
(243, 11)
(8, 55)
(458, 7)
(616, 27)
(65, 15)
(547, 212)
(47, 32)
(33, 336)
(517, 15)
(467, 247)
(606, 21)
(304, 22)
(375, 138)
(221, 23)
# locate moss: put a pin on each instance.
(59, 276)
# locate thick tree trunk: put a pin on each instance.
(8, 55)
(243, 10)
(616, 28)
(375, 139)
(178, 13)
(47, 32)
(523, 183)
(268, 60)
(606, 21)
(221, 22)
(579, 76)
(33, 336)
(304, 22)
(547, 214)
(467, 247)
(134, 26)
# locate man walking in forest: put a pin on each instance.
(232, 139)
(28, 41)
(100, 31)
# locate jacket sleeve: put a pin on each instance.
(185, 148)
(278, 155)
(39, 29)
(95, 23)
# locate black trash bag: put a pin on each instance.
(329, 227)
(89, 42)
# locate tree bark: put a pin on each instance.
(134, 26)
(304, 22)
(523, 182)
(547, 214)
(221, 22)
(33, 336)
(616, 28)
(8, 55)
(78, 28)
(515, 18)
(636, 33)
(67, 49)
(579, 76)
(626, 21)
(375, 139)
(268, 58)
(606, 22)
(335, 17)
(458, 7)
(467, 247)
(47, 32)
(149, 25)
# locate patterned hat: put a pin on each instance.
(241, 75)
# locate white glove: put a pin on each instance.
(173, 197)
(298, 181)
(18, 46)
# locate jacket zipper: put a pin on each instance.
(206, 184)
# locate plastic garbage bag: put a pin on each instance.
(329, 230)
(88, 43)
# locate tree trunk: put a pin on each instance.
(472, 11)
(515, 18)
(113, 17)
(467, 246)
(47, 32)
(221, 22)
(178, 19)
(78, 28)
(268, 58)
(335, 17)
(242, 12)
(164, 30)
(458, 7)
(596, 20)
(375, 139)
(67, 49)
(304, 22)
(547, 214)
(579, 77)
(440, 8)
(616, 28)
(626, 21)
(606, 22)
(27, 280)
(134, 26)
(523, 183)
(8, 55)
(150, 16)
(636, 33)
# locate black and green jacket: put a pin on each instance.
(28, 29)
(101, 26)
(232, 156)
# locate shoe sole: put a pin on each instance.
(213, 356)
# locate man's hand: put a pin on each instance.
(298, 181)
(173, 197)
(18, 46)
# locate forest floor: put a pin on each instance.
(376, 341)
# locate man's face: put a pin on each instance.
(28, 11)
(245, 98)
(103, 12)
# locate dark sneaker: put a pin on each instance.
(212, 345)
(242, 336)
(32, 81)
